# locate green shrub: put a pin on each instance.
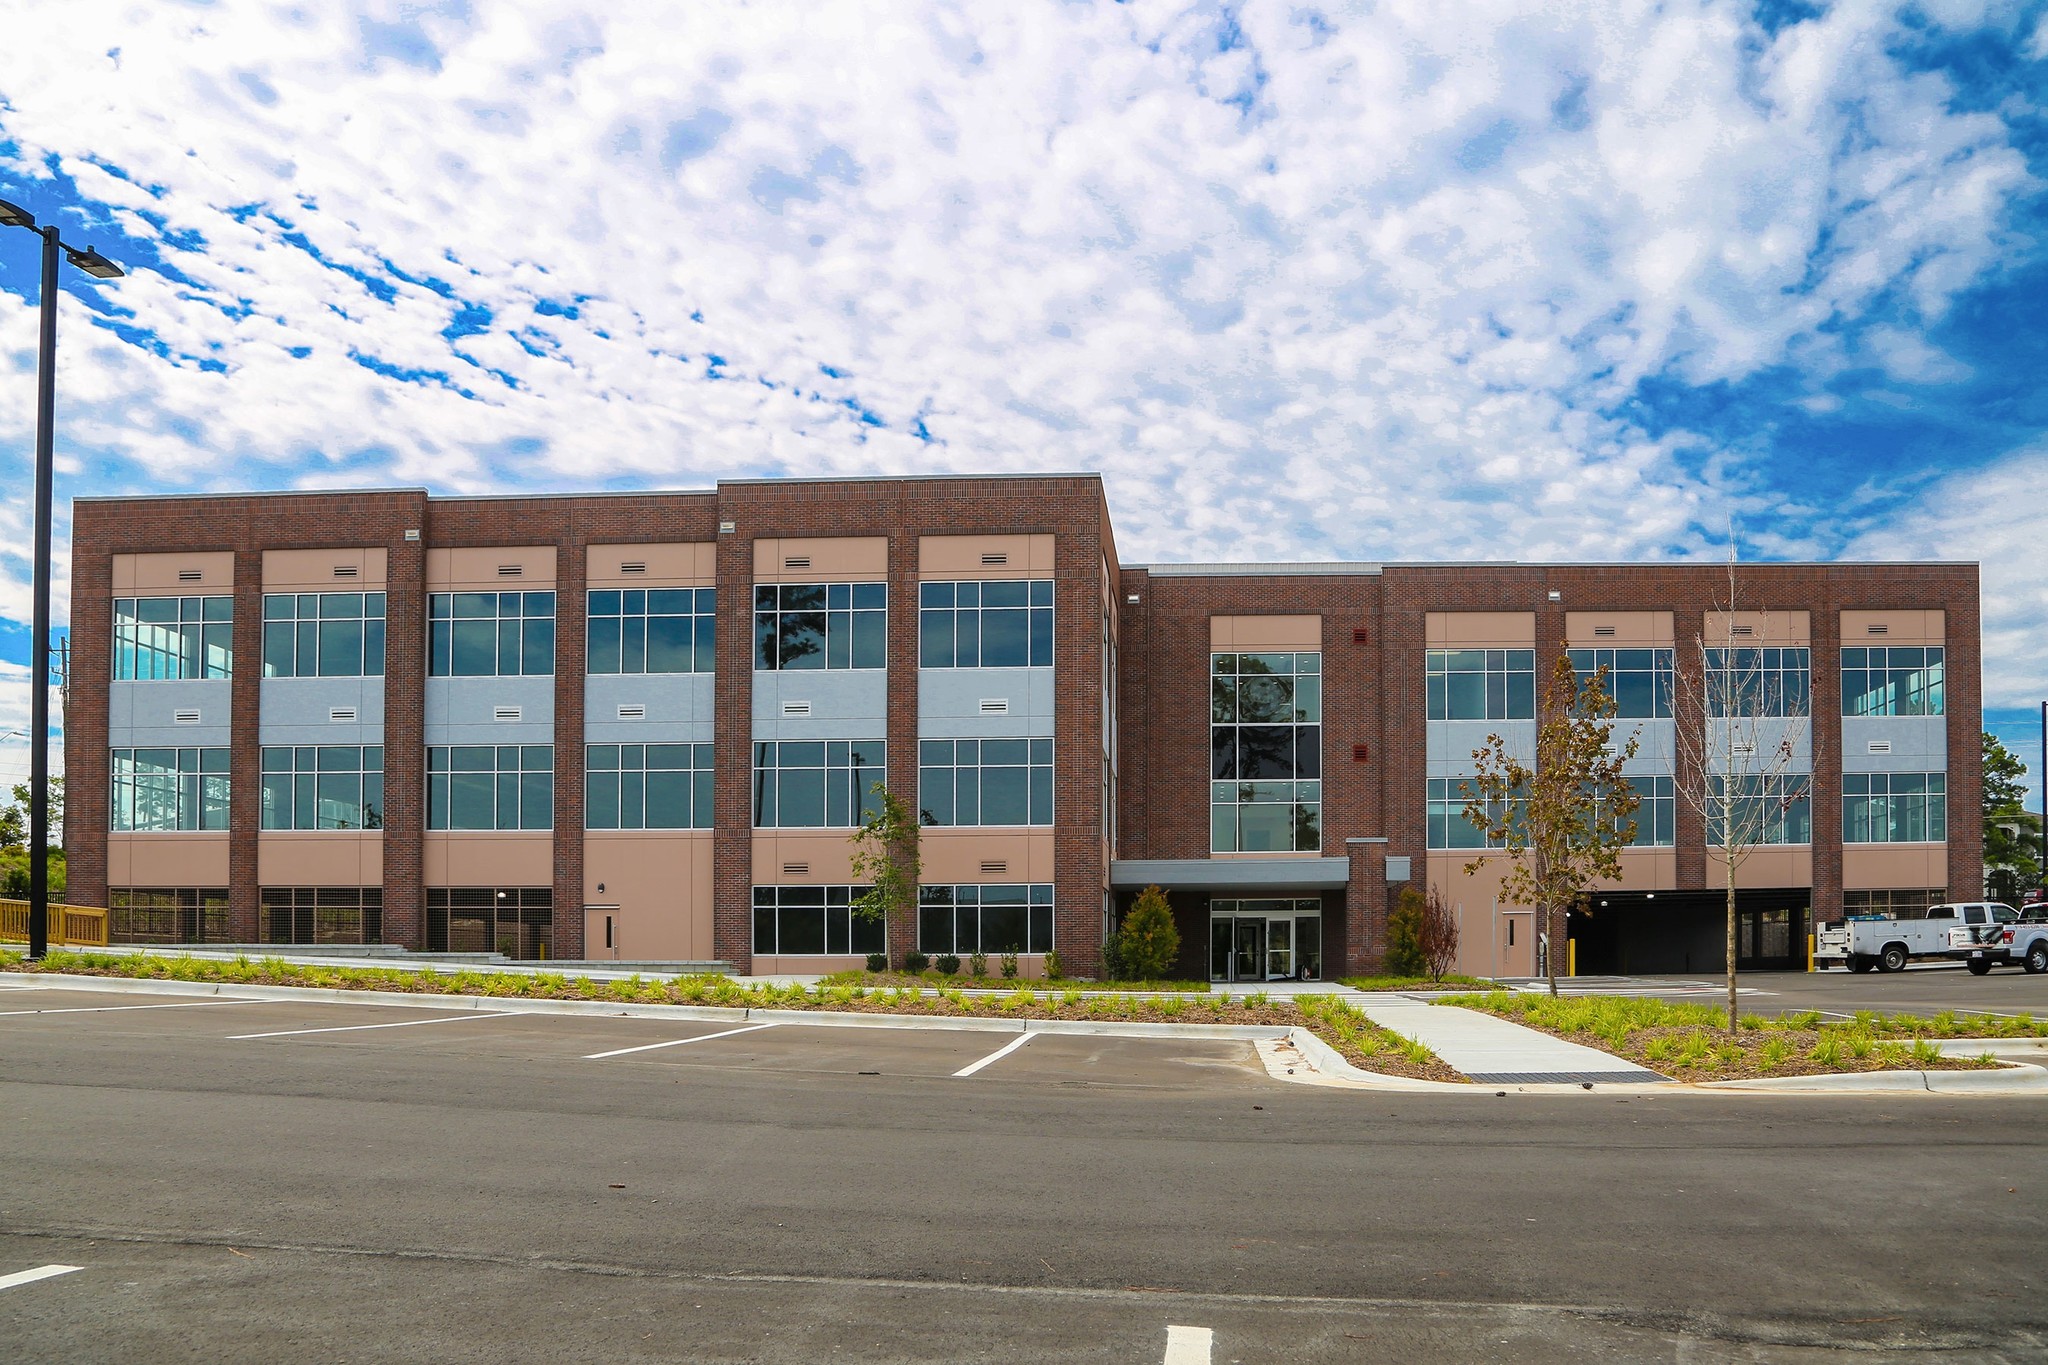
(947, 963)
(1009, 966)
(915, 962)
(1053, 970)
(1404, 934)
(878, 962)
(977, 965)
(1827, 1051)
(1150, 943)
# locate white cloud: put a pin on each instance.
(1361, 285)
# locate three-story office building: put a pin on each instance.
(643, 727)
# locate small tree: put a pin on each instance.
(1564, 822)
(1404, 934)
(1148, 942)
(886, 858)
(2012, 833)
(1438, 936)
(1735, 716)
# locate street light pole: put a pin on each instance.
(99, 267)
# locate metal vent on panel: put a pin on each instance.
(1604, 632)
(504, 713)
(1878, 630)
(185, 716)
(1880, 746)
(796, 708)
(1743, 748)
(633, 566)
(341, 714)
(1360, 635)
(191, 575)
(995, 706)
(796, 561)
(511, 570)
(1361, 753)
(412, 533)
(346, 571)
(997, 558)
(632, 713)
(796, 869)
(1742, 630)
(994, 867)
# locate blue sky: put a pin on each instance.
(1365, 281)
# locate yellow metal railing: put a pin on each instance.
(70, 925)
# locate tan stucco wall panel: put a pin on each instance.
(1252, 634)
(833, 559)
(1894, 867)
(1481, 630)
(1632, 629)
(953, 857)
(961, 557)
(489, 859)
(157, 575)
(313, 570)
(193, 859)
(826, 855)
(660, 883)
(1899, 628)
(477, 569)
(1765, 628)
(677, 565)
(1764, 868)
(340, 858)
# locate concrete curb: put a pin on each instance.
(2014, 1078)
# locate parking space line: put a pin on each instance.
(1189, 1345)
(41, 1272)
(109, 1009)
(674, 1042)
(1005, 1050)
(358, 1028)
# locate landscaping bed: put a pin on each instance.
(932, 979)
(1692, 1043)
(1360, 1041)
(1450, 981)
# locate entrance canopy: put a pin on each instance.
(1263, 876)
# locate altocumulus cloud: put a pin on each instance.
(1301, 280)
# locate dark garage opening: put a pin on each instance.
(1625, 933)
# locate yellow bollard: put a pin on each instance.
(1571, 957)
(1809, 952)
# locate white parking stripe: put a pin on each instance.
(1005, 1050)
(674, 1042)
(1188, 1345)
(358, 1028)
(41, 1272)
(109, 1009)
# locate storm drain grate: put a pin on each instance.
(1564, 1077)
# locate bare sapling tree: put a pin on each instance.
(1564, 822)
(1437, 936)
(1739, 701)
(887, 858)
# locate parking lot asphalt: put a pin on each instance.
(1923, 988)
(287, 1180)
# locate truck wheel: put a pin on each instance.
(1859, 963)
(2037, 957)
(1893, 958)
(1978, 966)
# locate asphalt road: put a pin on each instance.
(1923, 988)
(478, 1188)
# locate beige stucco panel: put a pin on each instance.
(1779, 865)
(1766, 628)
(1895, 867)
(193, 859)
(826, 853)
(1632, 629)
(960, 557)
(489, 859)
(1645, 869)
(313, 570)
(833, 559)
(692, 564)
(474, 569)
(1900, 628)
(157, 575)
(338, 858)
(1495, 937)
(1481, 630)
(660, 883)
(1254, 633)
(953, 857)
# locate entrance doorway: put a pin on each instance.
(1266, 940)
(603, 935)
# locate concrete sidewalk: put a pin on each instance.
(1493, 1051)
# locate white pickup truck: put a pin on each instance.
(1862, 942)
(2023, 940)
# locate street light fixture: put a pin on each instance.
(100, 268)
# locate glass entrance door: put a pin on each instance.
(1279, 949)
(1265, 940)
(1250, 960)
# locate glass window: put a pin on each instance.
(1448, 827)
(647, 786)
(517, 921)
(818, 783)
(329, 786)
(1001, 624)
(652, 630)
(1771, 810)
(1481, 684)
(813, 920)
(1892, 904)
(1893, 680)
(984, 919)
(491, 786)
(165, 639)
(490, 634)
(164, 914)
(322, 914)
(1265, 741)
(1752, 681)
(1894, 808)
(169, 789)
(323, 635)
(821, 625)
(984, 781)
(1639, 680)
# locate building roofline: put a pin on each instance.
(915, 478)
(1339, 568)
(245, 493)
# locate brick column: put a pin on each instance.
(571, 555)
(1365, 907)
(245, 757)
(732, 838)
(405, 733)
(900, 724)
